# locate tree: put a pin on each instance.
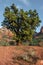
(22, 23)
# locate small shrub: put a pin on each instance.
(25, 43)
(12, 43)
(4, 43)
(34, 42)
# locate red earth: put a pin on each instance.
(8, 52)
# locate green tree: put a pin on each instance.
(22, 23)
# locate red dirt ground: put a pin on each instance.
(7, 53)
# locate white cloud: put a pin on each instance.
(26, 2)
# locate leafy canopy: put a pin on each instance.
(22, 23)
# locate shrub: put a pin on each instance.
(34, 42)
(12, 43)
(4, 43)
(25, 43)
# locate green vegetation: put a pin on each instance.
(34, 42)
(29, 56)
(22, 23)
(4, 43)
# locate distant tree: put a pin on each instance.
(22, 23)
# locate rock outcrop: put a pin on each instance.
(5, 33)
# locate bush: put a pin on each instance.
(25, 43)
(4, 43)
(12, 43)
(34, 42)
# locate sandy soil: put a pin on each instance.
(8, 52)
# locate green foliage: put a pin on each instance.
(37, 41)
(25, 43)
(40, 41)
(12, 43)
(4, 43)
(22, 23)
(34, 42)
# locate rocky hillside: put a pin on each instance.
(5, 33)
(40, 34)
(6, 37)
(21, 55)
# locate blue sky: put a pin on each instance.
(26, 5)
